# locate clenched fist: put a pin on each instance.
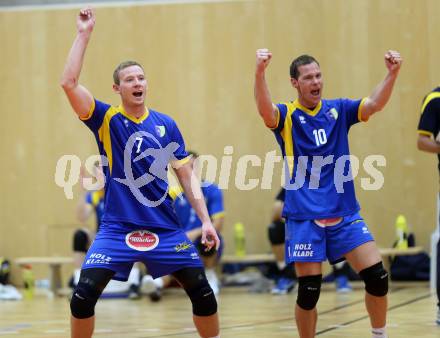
(393, 61)
(263, 59)
(85, 20)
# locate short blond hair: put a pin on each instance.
(122, 66)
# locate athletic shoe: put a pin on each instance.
(148, 287)
(342, 284)
(284, 286)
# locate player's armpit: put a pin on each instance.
(273, 121)
(81, 100)
(366, 109)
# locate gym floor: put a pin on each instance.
(242, 314)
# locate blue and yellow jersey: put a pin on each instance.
(186, 214)
(429, 123)
(319, 137)
(96, 200)
(138, 151)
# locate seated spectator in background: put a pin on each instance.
(193, 228)
(286, 275)
(5, 269)
(285, 279)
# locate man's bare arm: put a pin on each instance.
(79, 97)
(381, 94)
(193, 192)
(426, 143)
(268, 111)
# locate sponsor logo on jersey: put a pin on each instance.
(301, 250)
(183, 246)
(142, 240)
(302, 119)
(98, 258)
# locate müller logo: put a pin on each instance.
(142, 240)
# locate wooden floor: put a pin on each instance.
(411, 314)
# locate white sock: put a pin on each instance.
(76, 275)
(158, 282)
(379, 332)
(210, 273)
(134, 276)
(339, 266)
(281, 265)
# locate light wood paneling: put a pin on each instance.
(199, 59)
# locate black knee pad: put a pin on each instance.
(90, 286)
(203, 299)
(196, 286)
(84, 298)
(309, 288)
(277, 232)
(376, 280)
(80, 241)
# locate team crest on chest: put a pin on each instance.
(333, 113)
(160, 131)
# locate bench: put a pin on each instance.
(54, 264)
(270, 258)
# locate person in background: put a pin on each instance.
(286, 278)
(192, 226)
(429, 141)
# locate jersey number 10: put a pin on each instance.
(320, 136)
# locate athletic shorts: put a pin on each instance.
(118, 246)
(308, 242)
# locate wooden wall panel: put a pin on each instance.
(199, 59)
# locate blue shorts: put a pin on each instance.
(118, 246)
(308, 242)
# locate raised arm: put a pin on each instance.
(268, 111)
(79, 97)
(381, 94)
(191, 188)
